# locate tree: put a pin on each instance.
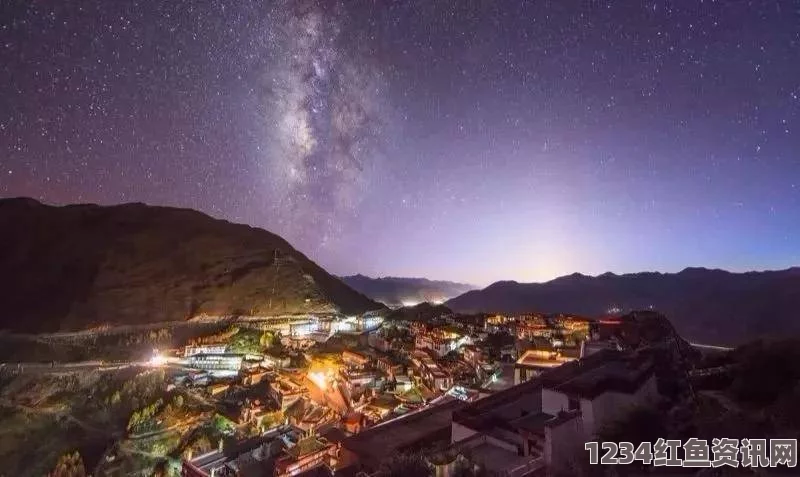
(69, 465)
(246, 341)
(465, 468)
(405, 465)
(452, 356)
(765, 371)
(115, 398)
(134, 420)
(500, 339)
(197, 446)
(642, 424)
(267, 339)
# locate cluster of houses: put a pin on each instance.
(419, 388)
(536, 427)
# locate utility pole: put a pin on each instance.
(275, 278)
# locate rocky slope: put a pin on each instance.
(397, 290)
(78, 266)
(712, 306)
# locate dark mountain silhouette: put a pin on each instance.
(66, 268)
(712, 306)
(423, 312)
(397, 290)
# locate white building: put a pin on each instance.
(544, 422)
(603, 395)
(216, 362)
(217, 348)
(440, 346)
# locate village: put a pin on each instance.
(291, 394)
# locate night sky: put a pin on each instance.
(465, 140)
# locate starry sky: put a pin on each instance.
(471, 140)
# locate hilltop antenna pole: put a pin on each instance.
(684, 363)
(275, 278)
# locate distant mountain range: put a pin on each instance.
(78, 266)
(394, 291)
(711, 306)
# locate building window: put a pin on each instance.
(574, 404)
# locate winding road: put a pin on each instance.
(55, 368)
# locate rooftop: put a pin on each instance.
(533, 359)
(533, 423)
(620, 375)
(305, 446)
(385, 401)
(496, 459)
(482, 410)
(407, 431)
(284, 385)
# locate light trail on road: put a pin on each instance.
(711, 347)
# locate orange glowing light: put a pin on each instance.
(320, 379)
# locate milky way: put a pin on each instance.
(468, 140)
(324, 118)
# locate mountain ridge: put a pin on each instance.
(713, 305)
(398, 290)
(82, 265)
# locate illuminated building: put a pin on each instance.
(543, 423)
(254, 377)
(473, 354)
(303, 328)
(466, 394)
(216, 389)
(388, 367)
(285, 391)
(356, 382)
(378, 341)
(277, 362)
(369, 322)
(308, 453)
(354, 422)
(495, 323)
(286, 324)
(533, 362)
(426, 370)
(572, 324)
(354, 359)
(216, 362)
(243, 458)
(344, 326)
(440, 342)
(217, 348)
(402, 383)
(532, 328)
(309, 416)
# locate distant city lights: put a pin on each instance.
(434, 301)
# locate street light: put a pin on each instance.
(158, 359)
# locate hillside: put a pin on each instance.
(711, 306)
(66, 268)
(421, 312)
(397, 291)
